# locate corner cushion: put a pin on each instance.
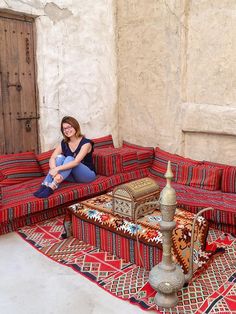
(109, 161)
(103, 142)
(17, 168)
(145, 155)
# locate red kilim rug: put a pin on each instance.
(212, 290)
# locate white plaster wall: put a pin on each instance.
(76, 64)
(209, 108)
(177, 76)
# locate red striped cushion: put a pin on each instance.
(43, 160)
(1, 176)
(145, 155)
(214, 164)
(16, 168)
(228, 183)
(129, 159)
(208, 178)
(103, 142)
(184, 174)
(161, 159)
(107, 161)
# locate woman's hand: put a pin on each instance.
(53, 172)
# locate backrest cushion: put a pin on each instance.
(103, 142)
(107, 161)
(161, 159)
(17, 168)
(145, 155)
(184, 173)
(228, 183)
(208, 178)
(43, 160)
(214, 164)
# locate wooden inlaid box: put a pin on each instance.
(127, 197)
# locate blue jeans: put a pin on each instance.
(80, 173)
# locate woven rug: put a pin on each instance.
(212, 290)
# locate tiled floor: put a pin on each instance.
(31, 283)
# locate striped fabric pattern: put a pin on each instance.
(199, 176)
(161, 159)
(107, 161)
(18, 200)
(228, 184)
(43, 160)
(129, 159)
(184, 174)
(145, 155)
(208, 178)
(30, 219)
(116, 244)
(103, 142)
(16, 168)
(194, 199)
(213, 164)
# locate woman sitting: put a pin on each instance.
(71, 160)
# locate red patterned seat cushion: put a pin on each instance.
(145, 155)
(161, 159)
(103, 142)
(43, 160)
(228, 184)
(16, 168)
(19, 201)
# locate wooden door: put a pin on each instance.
(18, 103)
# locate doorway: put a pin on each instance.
(18, 97)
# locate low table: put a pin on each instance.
(94, 223)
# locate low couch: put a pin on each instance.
(21, 175)
(198, 184)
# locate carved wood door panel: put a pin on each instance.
(18, 102)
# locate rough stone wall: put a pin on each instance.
(149, 71)
(76, 64)
(177, 71)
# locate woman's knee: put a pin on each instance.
(60, 159)
(82, 173)
(68, 159)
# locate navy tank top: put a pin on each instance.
(88, 159)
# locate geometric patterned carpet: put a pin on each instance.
(213, 290)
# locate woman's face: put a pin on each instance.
(68, 130)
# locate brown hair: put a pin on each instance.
(74, 123)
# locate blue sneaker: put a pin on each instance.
(46, 192)
(42, 187)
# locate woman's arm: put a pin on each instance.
(85, 149)
(52, 160)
